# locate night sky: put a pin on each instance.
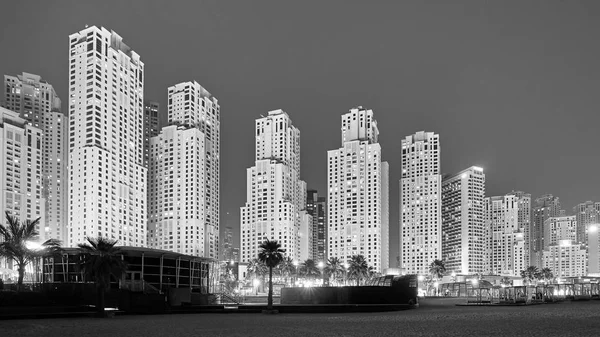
(511, 86)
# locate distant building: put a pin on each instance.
(229, 252)
(184, 185)
(107, 177)
(151, 127)
(566, 258)
(464, 233)
(524, 221)
(420, 203)
(36, 101)
(316, 206)
(357, 181)
(593, 245)
(506, 250)
(558, 229)
(544, 207)
(586, 213)
(20, 176)
(275, 195)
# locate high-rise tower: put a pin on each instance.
(420, 202)
(506, 249)
(316, 206)
(544, 207)
(357, 212)
(107, 178)
(464, 233)
(36, 101)
(524, 221)
(184, 175)
(586, 213)
(275, 195)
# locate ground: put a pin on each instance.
(431, 319)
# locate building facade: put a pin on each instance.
(524, 220)
(151, 127)
(506, 252)
(593, 246)
(107, 178)
(464, 234)
(586, 213)
(20, 177)
(316, 206)
(357, 181)
(566, 258)
(275, 195)
(420, 203)
(558, 229)
(544, 207)
(36, 101)
(184, 175)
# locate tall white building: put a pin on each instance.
(107, 177)
(506, 250)
(275, 195)
(587, 214)
(21, 175)
(184, 175)
(151, 127)
(559, 229)
(464, 234)
(566, 258)
(357, 210)
(420, 203)
(37, 102)
(542, 208)
(524, 220)
(593, 246)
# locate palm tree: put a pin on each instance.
(506, 281)
(334, 268)
(358, 268)
(437, 269)
(530, 274)
(257, 269)
(546, 274)
(102, 259)
(270, 254)
(287, 268)
(309, 269)
(16, 241)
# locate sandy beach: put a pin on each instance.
(431, 319)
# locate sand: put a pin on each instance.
(431, 319)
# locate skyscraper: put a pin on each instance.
(464, 234)
(524, 221)
(21, 175)
(357, 209)
(184, 175)
(36, 101)
(420, 202)
(559, 229)
(151, 128)
(544, 207)
(586, 213)
(506, 251)
(107, 178)
(316, 206)
(274, 189)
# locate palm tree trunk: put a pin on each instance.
(100, 301)
(21, 270)
(270, 299)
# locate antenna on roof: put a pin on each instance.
(86, 26)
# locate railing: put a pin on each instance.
(139, 286)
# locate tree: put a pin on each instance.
(437, 269)
(309, 269)
(506, 281)
(271, 255)
(334, 268)
(16, 244)
(546, 275)
(358, 268)
(102, 259)
(287, 268)
(530, 274)
(256, 268)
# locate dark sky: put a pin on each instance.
(512, 86)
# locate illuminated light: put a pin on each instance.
(33, 245)
(477, 168)
(593, 229)
(421, 277)
(463, 176)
